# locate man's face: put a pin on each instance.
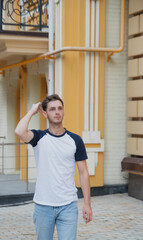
(55, 112)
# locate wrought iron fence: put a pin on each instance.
(16, 179)
(24, 15)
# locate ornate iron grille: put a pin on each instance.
(24, 14)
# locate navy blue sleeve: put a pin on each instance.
(80, 150)
(80, 153)
(35, 138)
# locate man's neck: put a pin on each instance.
(56, 130)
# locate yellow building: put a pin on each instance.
(79, 49)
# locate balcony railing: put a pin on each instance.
(24, 15)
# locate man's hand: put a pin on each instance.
(87, 213)
(36, 108)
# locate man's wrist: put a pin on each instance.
(31, 112)
(87, 202)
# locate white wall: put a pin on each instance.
(11, 79)
(33, 96)
(11, 113)
(8, 119)
(8, 110)
(115, 97)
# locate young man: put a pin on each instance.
(56, 151)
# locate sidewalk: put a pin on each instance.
(12, 184)
(114, 217)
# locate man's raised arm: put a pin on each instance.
(21, 130)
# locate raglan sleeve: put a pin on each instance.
(35, 138)
(81, 153)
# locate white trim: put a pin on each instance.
(100, 149)
(97, 65)
(92, 64)
(92, 162)
(51, 10)
(86, 88)
(91, 137)
(60, 63)
(58, 44)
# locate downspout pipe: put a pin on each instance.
(50, 83)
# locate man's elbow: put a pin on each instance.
(17, 133)
(24, 136)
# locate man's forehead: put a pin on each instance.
(55, 103)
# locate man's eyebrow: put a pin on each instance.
(55, 107)
(50, 107)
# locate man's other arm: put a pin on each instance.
(85, 185)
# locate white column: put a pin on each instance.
(58, 45)
(51, 10)
(97, 65)
(92, 63)
(86, 88)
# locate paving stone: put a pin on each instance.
(116, 217)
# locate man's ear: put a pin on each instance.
(44, 114)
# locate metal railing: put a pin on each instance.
(23, 15)
(17, 168)
(2, 152)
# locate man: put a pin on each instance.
(56, 151)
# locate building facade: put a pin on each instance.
(88, 68)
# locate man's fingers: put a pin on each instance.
(40, 109)
(87, 216)
(84, 215)
(37, 107)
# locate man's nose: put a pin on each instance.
(57, 111)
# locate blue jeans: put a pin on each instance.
(64, 217)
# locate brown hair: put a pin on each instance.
(53, 97)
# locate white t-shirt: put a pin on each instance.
(55, 160)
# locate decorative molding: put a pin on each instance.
(93, 61)
(91, 135)
(92, 162)
(21, 45)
